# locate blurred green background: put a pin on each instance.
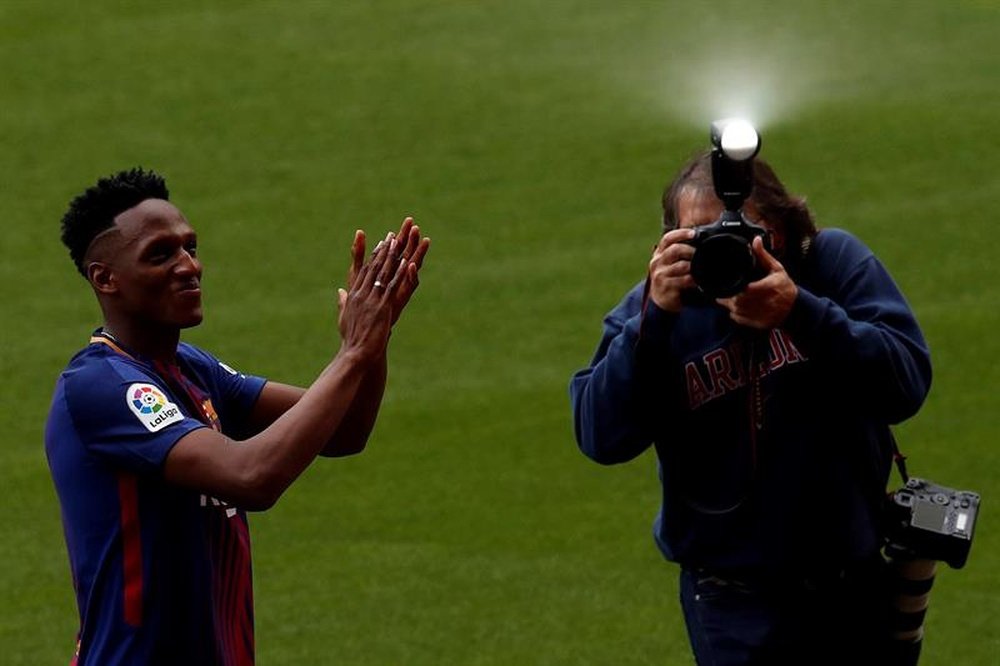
(531, 140)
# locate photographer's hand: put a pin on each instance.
(670, 269)
(764, 304)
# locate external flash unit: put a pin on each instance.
(723, 263)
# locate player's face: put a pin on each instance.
(156, 266)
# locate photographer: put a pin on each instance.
(769, 411)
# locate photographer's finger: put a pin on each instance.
(728, 303)
(674, 269)
(661, 244)
(677, 283)
(678, 252)
(675, 236)
(742, 320)
(675, 248)
(765, 258)
(745, 311)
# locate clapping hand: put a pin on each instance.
(406, 249)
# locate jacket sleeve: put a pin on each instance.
(859, 324)
(611, 399)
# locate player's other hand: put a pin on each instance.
(366, 306)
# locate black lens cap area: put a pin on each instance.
(722, 265)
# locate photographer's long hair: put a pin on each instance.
(788, 214)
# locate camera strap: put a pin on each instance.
(755, 401)
(898, 458)
(645, 301)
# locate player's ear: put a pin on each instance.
(102, 277)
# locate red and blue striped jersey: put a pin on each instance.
(162, 573)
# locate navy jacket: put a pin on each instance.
(773, 447)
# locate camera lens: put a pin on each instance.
(722, 265)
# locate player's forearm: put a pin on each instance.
(278, 455)
(352, 434)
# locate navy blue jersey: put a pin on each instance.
(773, 446)
(162, 573)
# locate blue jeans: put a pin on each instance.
(741, 621)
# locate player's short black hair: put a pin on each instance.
(95, 210)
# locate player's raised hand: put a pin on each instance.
(407, 248)
(412, 249)
(357, 256)
(365, 309)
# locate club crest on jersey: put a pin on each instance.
(151, 407)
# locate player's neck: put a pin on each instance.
(155, 343)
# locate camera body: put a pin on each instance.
(723, 263)
(931, 522)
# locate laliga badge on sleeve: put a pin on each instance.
(152, 407)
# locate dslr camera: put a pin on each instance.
(930, 522)
(925, 523)
(723, 263)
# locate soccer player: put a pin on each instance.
(157, 449)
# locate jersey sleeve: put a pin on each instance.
(233, 393)
(126, 416)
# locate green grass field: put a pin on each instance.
(531, 140)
